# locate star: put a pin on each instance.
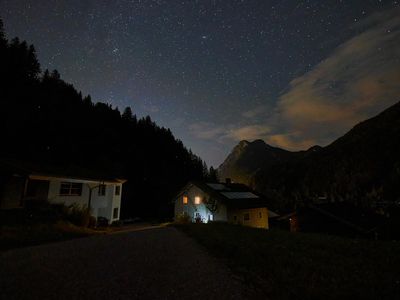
(206, 61)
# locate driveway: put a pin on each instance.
(160, 263)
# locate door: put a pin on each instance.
(197, 217)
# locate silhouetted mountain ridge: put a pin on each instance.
(248, 157)
(361, 167)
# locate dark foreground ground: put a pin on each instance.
(284, 265)
(161, 263)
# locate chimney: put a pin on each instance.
(228, 180)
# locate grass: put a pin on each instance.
(282, 265)
(44, 224)
(17, 236)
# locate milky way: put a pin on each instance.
(213, 71)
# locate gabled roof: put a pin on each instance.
(46, 171)
(233, 195)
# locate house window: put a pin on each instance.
(185, 199)
(246, 217)
(197, 200)
(260, 215)
(70, 189)
(102, 190)
(235, 218)
(115, 213)
(117, 190)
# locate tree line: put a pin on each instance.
(44, 119)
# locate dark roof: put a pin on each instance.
(233, 195)
(24, 168)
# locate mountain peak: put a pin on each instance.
(243, 143)
(361, 167)
(314, 148)
(258, 142)
(247, 157)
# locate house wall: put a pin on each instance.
(106, 204)
(191, 208)
(37, 190)
(11, 192)
(258, 217)
(101, 206)
(55, 197)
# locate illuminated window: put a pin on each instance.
(70, 189)
(246, 217)
(185, 199)
(197, 200)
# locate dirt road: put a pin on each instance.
(160, 263)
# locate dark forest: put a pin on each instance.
(45, 120)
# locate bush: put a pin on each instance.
(102, 222)
(118, 223)
(37, 204)
(183, 219)
(41, 211)
(92, 222)
(78, 215)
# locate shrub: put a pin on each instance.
(92, 222)
(78, 215)
(35, 205)
(102, 222)
(118, 223)
(183, 219)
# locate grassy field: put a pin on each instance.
(17, 236)
(43, 224)
(283, 265)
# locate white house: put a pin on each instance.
(23, 185)
(229, 202)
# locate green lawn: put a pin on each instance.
(282, 265)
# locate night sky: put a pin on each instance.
(294, 73)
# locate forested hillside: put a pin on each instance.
(44, 119)
(361, 168)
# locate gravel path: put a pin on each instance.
(159, 263)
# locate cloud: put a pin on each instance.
(290, 141)
(358, 80)
(250, 132)
(258, 111)
(207, 131)
(210, 131)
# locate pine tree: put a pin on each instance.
(32, 63)
(127, 114)
(3, 40)
(212, 175)
(55, 75)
